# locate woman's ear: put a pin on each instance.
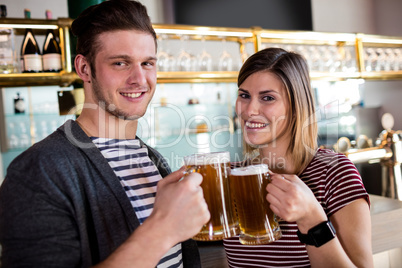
(83, 68)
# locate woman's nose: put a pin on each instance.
(253, 108)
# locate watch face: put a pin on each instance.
(322, 233)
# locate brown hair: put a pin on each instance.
(108, 16)
(292, 70)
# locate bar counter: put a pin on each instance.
(386, 223)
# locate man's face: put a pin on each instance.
(125, 67)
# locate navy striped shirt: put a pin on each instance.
(138, 176)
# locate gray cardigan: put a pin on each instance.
(61, 205)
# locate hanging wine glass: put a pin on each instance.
(301, 49)
(327, 59)
(316, 63)
(225, 60)
(243, 54)
(185, 61)
(381, 59)
(13, 140)
(338, 54)
(389, 60)
(398, 59)
(370, 61)
(349, 61)
(24, 138)
(204, 59)
(165, 60)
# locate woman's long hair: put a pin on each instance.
(292, 70)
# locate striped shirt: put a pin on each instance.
(138, 176)
(335, 182)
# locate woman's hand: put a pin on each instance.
(293, 201)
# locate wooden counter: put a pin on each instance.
(212, 254)
(386, 222)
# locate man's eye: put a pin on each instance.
(149, 63)
(119, 63)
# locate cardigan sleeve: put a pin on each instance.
(36, 228)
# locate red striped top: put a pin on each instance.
(335, 182)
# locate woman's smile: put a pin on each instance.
(255, 125)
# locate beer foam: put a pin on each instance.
(250, 170)
(207, 158)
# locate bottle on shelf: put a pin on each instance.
(3, 10)
(19, 104)
(31, 58)
(7, 62)
(51, 50)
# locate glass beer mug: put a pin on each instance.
(257, 223)
(215, 169)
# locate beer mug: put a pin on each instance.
(215, 170)
(257, 223)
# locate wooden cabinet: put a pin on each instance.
(39, 27)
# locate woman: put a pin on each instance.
(310, 187)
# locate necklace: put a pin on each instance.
(84, 128)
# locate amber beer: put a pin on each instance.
(215, 169)
(258, 224)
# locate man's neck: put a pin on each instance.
(96, 125)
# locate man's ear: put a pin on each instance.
(83, 68)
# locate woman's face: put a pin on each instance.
(263, 105)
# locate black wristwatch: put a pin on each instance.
(318, 235)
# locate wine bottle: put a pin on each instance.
(51, 50)
(7, 63)
(3, 10)
(31, 59)
(19, 104)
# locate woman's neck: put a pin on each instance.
(277, 158)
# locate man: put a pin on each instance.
(91, 193)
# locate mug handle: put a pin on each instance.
(276, 217)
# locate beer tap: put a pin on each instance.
(388, 152)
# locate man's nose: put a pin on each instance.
(137, 75)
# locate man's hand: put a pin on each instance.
(179, 213)
(180, 207)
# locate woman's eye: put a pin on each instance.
(268, 98)
(244, 95)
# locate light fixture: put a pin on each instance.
(381, 40)
(203, 32)
(30, 26)
(316, 36)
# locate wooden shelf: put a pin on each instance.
(37, 79)
(197, 77)
(255, 35)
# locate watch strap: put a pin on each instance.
(318, 235)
